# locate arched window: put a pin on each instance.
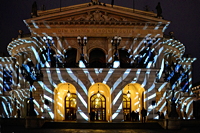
(48, 55)
(70, 58)
(124, 58)
(70, 107)
(97, 108)
(126, 107)
(97, 58)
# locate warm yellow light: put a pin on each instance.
(128, 94)
(68, 93)
(98, 94)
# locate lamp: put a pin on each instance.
(128, 94)
(68, 93)
(81, 63)
(115, 41)
(116, 62)
(98, 93)
(82, 42)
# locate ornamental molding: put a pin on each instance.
(97, 16)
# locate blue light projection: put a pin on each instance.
(145, 55)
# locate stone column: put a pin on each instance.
(85, 53)
(1, 81)
(58, 43)
(189, 66)
(21, 61)
(14, 78)
(115, 108)
(110, 52)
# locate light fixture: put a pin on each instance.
(79, 40)
(81, 62)
(116, 63)
(115, 41)
(98, 93)
(68, 93)
(82, 42)
(128, 94)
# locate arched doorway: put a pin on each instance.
(97, 58)
(98, 107)
(133, 101)
(127, 107)
(99, 101)
(65, 102)
(70, 107)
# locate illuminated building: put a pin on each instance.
(196, 92)
(95, 62)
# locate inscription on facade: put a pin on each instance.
(96, 30)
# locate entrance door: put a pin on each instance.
(126, 107)
(70, 107)
(98, 108)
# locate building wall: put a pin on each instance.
(135, 28)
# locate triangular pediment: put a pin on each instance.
(96, 13)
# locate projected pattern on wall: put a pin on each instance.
(134, 75)
(99, 39)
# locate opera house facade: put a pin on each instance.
(95, 62)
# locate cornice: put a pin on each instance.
(124, 23)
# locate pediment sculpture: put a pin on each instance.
(97, 16)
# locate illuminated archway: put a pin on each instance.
(104, 91)
(65, 93)
(127, 107)
(70, 106)
(136, 99)
(98, 107)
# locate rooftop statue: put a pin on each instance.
(34, 10)
(95, 2)
(159, 10)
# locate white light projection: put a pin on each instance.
(107, 77)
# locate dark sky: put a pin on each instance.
(183, 14)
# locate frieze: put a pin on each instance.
(96, 30)
(97, 16)
(101, 32)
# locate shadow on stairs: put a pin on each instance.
(103, 125)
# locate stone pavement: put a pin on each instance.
(18, 126)
(20, 130)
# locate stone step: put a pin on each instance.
(102, 125)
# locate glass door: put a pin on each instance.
(70, 107)
(98, 108)
(126, 107)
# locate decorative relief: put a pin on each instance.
(97, 16)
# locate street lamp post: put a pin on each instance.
(115, 42)
(82, 42)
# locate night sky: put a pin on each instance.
(183, 14)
